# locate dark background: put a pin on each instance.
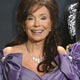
(8, 18)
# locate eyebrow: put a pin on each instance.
(43, 14)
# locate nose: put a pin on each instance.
(36, 23)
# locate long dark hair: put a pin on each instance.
(51, 42)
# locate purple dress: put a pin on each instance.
(68, 69)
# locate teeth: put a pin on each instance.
(37, 31)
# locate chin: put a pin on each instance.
(38, 40)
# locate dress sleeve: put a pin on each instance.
(1, 76)
(10, 66)
(70, 63)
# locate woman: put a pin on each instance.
(35, 54)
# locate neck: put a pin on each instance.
(35, 48)
(36, 45)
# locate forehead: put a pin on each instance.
(39, 10)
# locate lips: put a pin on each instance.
(37, 31)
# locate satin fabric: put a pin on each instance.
(69, 67)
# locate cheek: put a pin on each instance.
(28, 25)
(47, 25)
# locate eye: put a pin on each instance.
(43, 17)
(30, 18)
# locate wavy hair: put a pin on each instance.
(50, 46)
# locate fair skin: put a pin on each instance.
(37, 27)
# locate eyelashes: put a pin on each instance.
(40, 18)
(30, 18)
(43, 18)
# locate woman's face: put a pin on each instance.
(38, 24)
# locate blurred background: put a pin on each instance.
(8, 18)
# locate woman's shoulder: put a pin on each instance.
(8, 50)
(12, 49)
(61, 50)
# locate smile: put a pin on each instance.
(37, 31)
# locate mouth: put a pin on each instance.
(37, 31)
